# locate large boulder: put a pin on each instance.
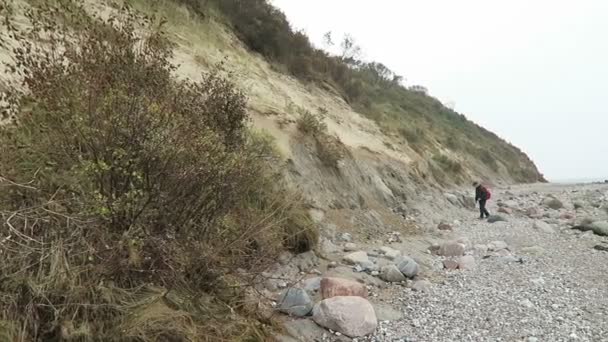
(392, 274)
(451, 249)
(334, 287)
(407, 266)
(543, 227)
(356, 258)
(295, 302)
(351, 316)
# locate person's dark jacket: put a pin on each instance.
(480, 194)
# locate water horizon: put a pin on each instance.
(585, 180)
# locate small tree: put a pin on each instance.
(351, 52)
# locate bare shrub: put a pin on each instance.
(330, 150)
(130, 199)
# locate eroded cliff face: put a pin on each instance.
(371, 170)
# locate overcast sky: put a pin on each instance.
(535, 72)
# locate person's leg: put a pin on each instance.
(482, 208)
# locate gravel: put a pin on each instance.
(558, 295)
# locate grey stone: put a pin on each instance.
(527, 303)
(347, 272)
(295, 302)
(350, 247)
(392, 274)
(452, 199)
(451, 249)
(553, 203)
(306, 261)
(421, 285)
(543, 227)
(285, 258)
(509, 259)
(466, 242)
(535, 250)
(368, 266)
(482, 249)
(356, 258)
(390, 253)
(600, 228)
(579, 205)
(345, 237)
(304, 330)
(497, 246)
(311, 285)
(327, 247)
(533, 213)
(505, 210)
(466, 262)
(407, 266)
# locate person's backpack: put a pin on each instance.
(487, 192)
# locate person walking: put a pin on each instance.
(482, 195)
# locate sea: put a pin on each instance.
(579, 180)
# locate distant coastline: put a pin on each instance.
(579, 180)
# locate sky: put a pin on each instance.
(534, 72)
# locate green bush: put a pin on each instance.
(130, 196)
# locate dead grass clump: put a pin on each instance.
(309, 123)
(129, 199)
(330, 149)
